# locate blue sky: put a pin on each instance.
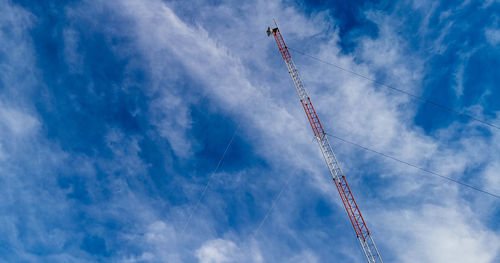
(114, 114)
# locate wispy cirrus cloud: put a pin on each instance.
(137, 100)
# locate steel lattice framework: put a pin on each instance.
(351, 207)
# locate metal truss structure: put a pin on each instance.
(362, 233)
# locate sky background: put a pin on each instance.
(114, 114)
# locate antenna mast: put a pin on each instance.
(362, 233)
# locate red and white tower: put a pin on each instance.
(362, 233)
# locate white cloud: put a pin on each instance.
(226, 251)
(159, 244)
(217, 251)
(19, 123)
(492, 176)
(493, 36)
(441, 234)
(172, 119)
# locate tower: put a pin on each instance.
(358, 222)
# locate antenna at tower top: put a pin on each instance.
(271, 31)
